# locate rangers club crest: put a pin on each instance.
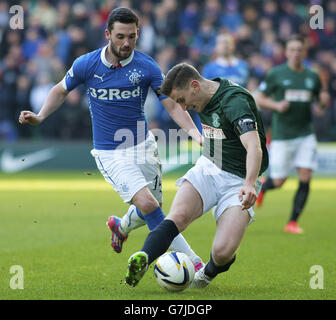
(134, 76)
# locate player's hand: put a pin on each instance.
(247, 196)
(282, 106)
(195, 134)
(324, 99)
(30, 118)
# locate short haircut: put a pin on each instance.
(179, 77)
(123, 15)
(296, 37)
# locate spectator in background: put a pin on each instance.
(226, 64)
(189, 18)
(46, 62)
(173, 20)
(268, 44)
(146, 8)
(146, 42)
(78, 45)
(204, 39)
(94, 32)
(161, 27)
(270, 11)
(250, 17)
(22, 99)
(44, 14)
(183, 45)
(32, 42)
(37, 97)
(166, 58)
(8, 77)
(245, 44)
(212, 12)
(331, 10)
(290, 15)
(285, 29)
(328, 34)
(231, 19)
(40, 91)
(63, 40)
(75, 117)
(8, 39)
(4, 17)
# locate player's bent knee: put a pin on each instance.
(180, 218)
(222, 255)
(146, 203)
(148, 206)
(278, 182)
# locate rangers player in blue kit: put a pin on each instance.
(117, 79)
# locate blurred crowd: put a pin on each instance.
(55, 32)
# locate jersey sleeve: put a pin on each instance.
(75, 75)
(240, 115)
(267, 86)
(156, 79)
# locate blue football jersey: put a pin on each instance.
(236, 71)
(116, 95)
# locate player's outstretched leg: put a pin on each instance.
(121, 227)
(137, 267)
(231, 227)
(300, 200)
(267, 184)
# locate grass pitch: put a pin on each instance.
(53, 226)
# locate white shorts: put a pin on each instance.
(129, 170)
(216, 187)
(294, 153)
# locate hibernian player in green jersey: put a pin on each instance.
(289, 91)
(226, 175)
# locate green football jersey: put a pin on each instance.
(219, 119)
(300, 89)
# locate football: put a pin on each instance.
(174, 271)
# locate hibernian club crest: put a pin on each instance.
(309, 83)
(215, 120)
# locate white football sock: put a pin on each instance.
(131, 221)
(180, 244)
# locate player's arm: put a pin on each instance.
(53, 101)
(266, 102)
(266, 89)
(251, 142)
(74, 77)
(182, 118)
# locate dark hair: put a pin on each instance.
(179, 77)
(123, 15)
(296, 37)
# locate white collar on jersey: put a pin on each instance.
(224, 62)
(122, 62)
